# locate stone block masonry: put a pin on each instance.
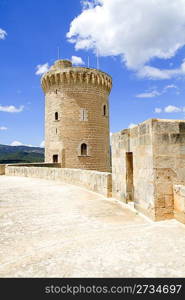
(147, 161)
(132, 168)
(179, 203)
(40, 165)
(100, 182)
(77, 117)
(2, 169)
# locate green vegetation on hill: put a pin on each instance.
(20, 154)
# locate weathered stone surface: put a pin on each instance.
(165, 126)
(181, 127)
(100, 182)
(139, 143)
(158, 148)
(49, 229)
(2, 169)
(163, 138)
(179, 203)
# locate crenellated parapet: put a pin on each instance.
(63, 74)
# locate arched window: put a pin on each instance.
(104, 110)
(56, 116)
(83, 149)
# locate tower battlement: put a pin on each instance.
(62, 73)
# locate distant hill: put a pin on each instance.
(20, 154)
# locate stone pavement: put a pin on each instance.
(49, 229)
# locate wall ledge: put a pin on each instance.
(100, 182)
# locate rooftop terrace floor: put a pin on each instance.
(49, 229)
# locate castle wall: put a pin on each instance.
(37, 164)
(138, 141)
(141, 146)
(169, 163)
(100, 182)
(158, 148)
(120, 146)
(179, 203)
(2, 169)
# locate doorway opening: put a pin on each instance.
(129, 177)
(55, 158)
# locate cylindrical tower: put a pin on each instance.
(77, 116)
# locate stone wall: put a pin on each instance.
(120, 145)
(143, 172)
(138, 142)
(2, 169)
(169, 163)
(39, 165)
(158, 149)
(99, 182)
(179, 203)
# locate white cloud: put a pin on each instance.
(155, 93)
(149, 94)
(3, 34)
(138, 31)
(170, 86)
(156, 73)
(41, 69)
(17, 143)
(3, 128)
(42, 144)
(170, 109)
(158, 110)
(11, 109)
(76, 60)
(131, 125)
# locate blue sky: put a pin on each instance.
(141, 45)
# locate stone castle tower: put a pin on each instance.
(77, 116)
